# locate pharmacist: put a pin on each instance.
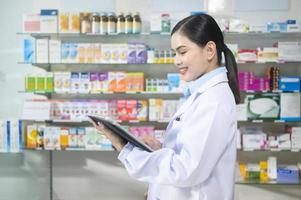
(197, 158)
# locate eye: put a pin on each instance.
(182, 52)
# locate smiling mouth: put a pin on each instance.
(183, 70)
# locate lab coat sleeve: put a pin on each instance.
(201, 142)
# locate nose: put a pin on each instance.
(177, 60)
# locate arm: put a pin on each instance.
(201, 141)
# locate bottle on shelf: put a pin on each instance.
(95, 23)
(103, 24)
(165, 23)
(85, 23)
(136, 23)
(120, 24)
(112, 23)
(128, 23)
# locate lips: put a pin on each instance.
(183, 70)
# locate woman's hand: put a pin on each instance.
(116, 141)
(151, 141)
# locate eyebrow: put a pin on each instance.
(179, 47)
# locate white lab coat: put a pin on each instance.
(197, 161)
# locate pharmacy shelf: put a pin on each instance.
(269, 121)
(267, 91)
(69, 149)
(149, 34)
(88, 123)
(269, 150)
(258, 182)
(110, 95)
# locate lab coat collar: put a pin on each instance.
(219, 78)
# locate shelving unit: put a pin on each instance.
(160, 41)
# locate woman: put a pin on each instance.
(197, 158)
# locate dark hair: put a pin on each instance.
(202, 28)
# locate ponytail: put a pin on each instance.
(232, 73)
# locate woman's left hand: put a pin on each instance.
(151, 141)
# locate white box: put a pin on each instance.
(284, 141)
(290, 106)
(289, 51)
(15, 135)
(293, 28)
(49, 21)
(155, 22)
(260, 27)
(238, 139)
(36, 110)
(75, 82)
(48, 138)
(268, 54)
(42, 51)
(54, 51)
(106, 53)
(272, 168)
(3, 136)
(254, 141)
(241, 110)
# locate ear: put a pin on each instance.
(210, 50)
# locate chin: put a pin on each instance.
(186, 78)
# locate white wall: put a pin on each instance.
(89, 175)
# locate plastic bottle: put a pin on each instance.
(120, 24)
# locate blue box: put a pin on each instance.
(29, 51)
(289, 83)
(288, 175)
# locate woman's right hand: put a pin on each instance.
(116, 141)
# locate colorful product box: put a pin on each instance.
(84, 83)
(73, 53)
(122, 110)
(112, 81)
(97, 53)
(131, 54)
(72, 138)
(141, 53)
(64, 22)
(263, 106)
(106, 53)
(81, 137)
(74, 22)
(65, 52)
(29, 51)
(31, 136)
(31, 23)
(103, 81)
(120, 81)
(48, 138)
(94, 83)
(247, 55)
(289, 83)
(49, 21)
(30, 83)
(131, 110)
(75, 82)
(142, 108)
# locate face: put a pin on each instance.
(191, 60)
